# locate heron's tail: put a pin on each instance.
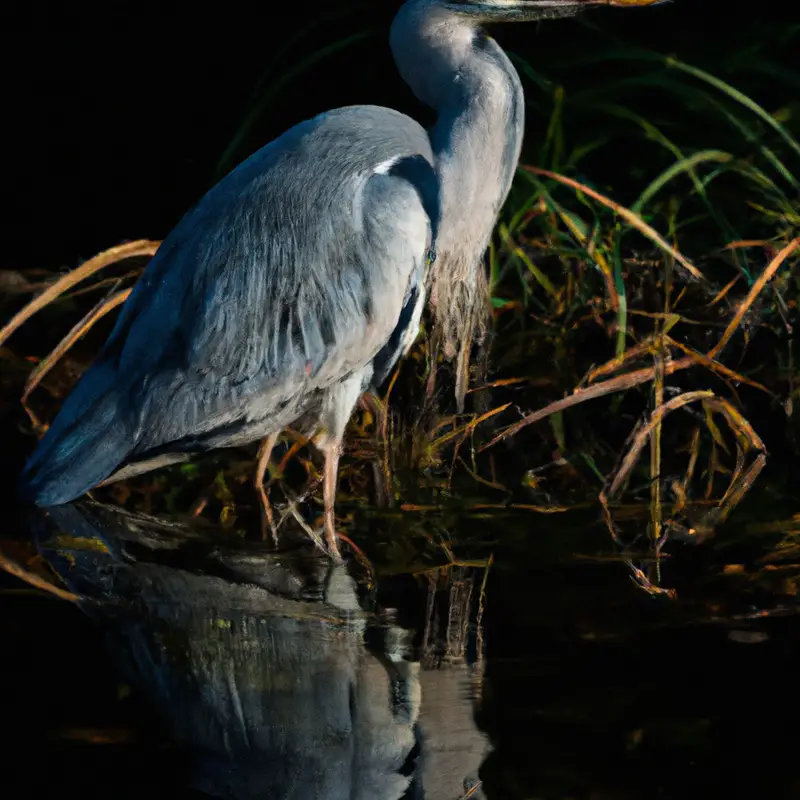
(89, 438)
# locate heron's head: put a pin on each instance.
(488, 11)
(431, 39)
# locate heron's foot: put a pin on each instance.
(331, 537)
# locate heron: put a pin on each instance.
(300, 279)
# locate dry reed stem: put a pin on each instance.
(755, 290)
(613, 364)
(672, 318)
(655, 443)
(12, 568)
(643, 582)
(741, 480)
(681, 490)
(471, 792)
(312, 534)
(613, 530)
(619, 384)
(476, 477)
(295, 448)
(721, 294)
(641, 436)
(634, 220)
(495, 384)
(715, 366)
(385, 461)
(738, 471)
(413, 507)
(739, 486)
(456, 458)
(638, 377)
(479, 644)
(738, 423)
(98, 735)
(469, 427)
(359, 553)
(747, 243)
(46, 364)
(745, 481)
(142, 247)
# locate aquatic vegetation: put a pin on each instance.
(639, 304)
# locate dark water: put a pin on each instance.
(198, 664)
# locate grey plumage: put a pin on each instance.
(301, 277)
(259, 308)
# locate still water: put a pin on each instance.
(199, 664)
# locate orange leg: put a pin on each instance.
(331, 451)
(264, 454)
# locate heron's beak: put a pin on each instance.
(622, 2)
(626, 2)
(522, 10)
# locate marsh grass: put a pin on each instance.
(639, 304)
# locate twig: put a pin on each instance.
(632, 219)
(642, 436)
(715, 366)
(471, 792)
(142, 247)
(755, 290)
(470, 426)
(12, 568)
(481, 609)
(46, 364)
(313, 535)
(619, 384)
(385, 461)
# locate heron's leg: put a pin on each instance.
(264, 454)
(331, 451)
(337, 406)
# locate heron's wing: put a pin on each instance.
(288, 276)
(291, 274)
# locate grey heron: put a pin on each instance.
(300, 279)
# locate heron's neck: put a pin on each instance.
(452, 66)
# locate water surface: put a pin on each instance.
(201, 664)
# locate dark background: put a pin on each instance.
(117, 116)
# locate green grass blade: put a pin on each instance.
(736, 95)
(542, 81)
(622, 297)
(582, 150)
(655, 134)
(554, 140)
(686, 164)
(519, 253)
(756, 140)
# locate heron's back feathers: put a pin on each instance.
(288, 277)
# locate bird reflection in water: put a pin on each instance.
(274, 669)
